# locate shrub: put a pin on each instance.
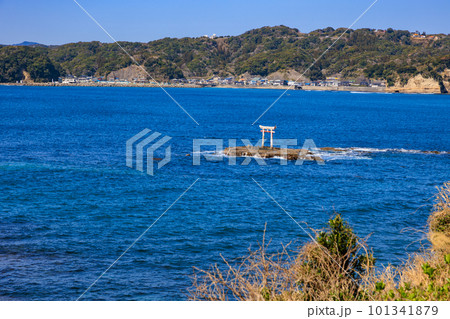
(332, 267)
(425, 276)
(336, 265)
(440, 219)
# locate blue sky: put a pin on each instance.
(61, 21)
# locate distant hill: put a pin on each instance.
(30, 44)
(391, 55)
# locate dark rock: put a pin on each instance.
(268, 152)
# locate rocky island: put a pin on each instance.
(293, 154)
(272, 152)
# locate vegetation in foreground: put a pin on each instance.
(336, 265)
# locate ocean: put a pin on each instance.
(70, 206)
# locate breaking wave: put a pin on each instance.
(358, 153)
(338, 153)
(380, 150)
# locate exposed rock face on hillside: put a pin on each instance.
(289, 75)
(417, 84)
(27, 78)
(129, 73)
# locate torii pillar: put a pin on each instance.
(267, 129)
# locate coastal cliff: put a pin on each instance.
(420, 84)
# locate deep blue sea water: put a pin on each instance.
(69, 206)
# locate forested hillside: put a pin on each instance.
(390, 55)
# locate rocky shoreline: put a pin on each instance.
(272, 152)
(307, 155)
(412, 90)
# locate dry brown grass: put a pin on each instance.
(426, 275)
(439, 221)
(313, 272)
(336, 266)
(423, 277)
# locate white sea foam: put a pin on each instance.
(346, 150)
(369, 150)
(357, 92)
(338, 153)
(342, 155)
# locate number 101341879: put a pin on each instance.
(411, 310)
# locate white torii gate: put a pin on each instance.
(267, 129)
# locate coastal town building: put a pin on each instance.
(332, 81)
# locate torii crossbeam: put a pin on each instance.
(267, 129)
